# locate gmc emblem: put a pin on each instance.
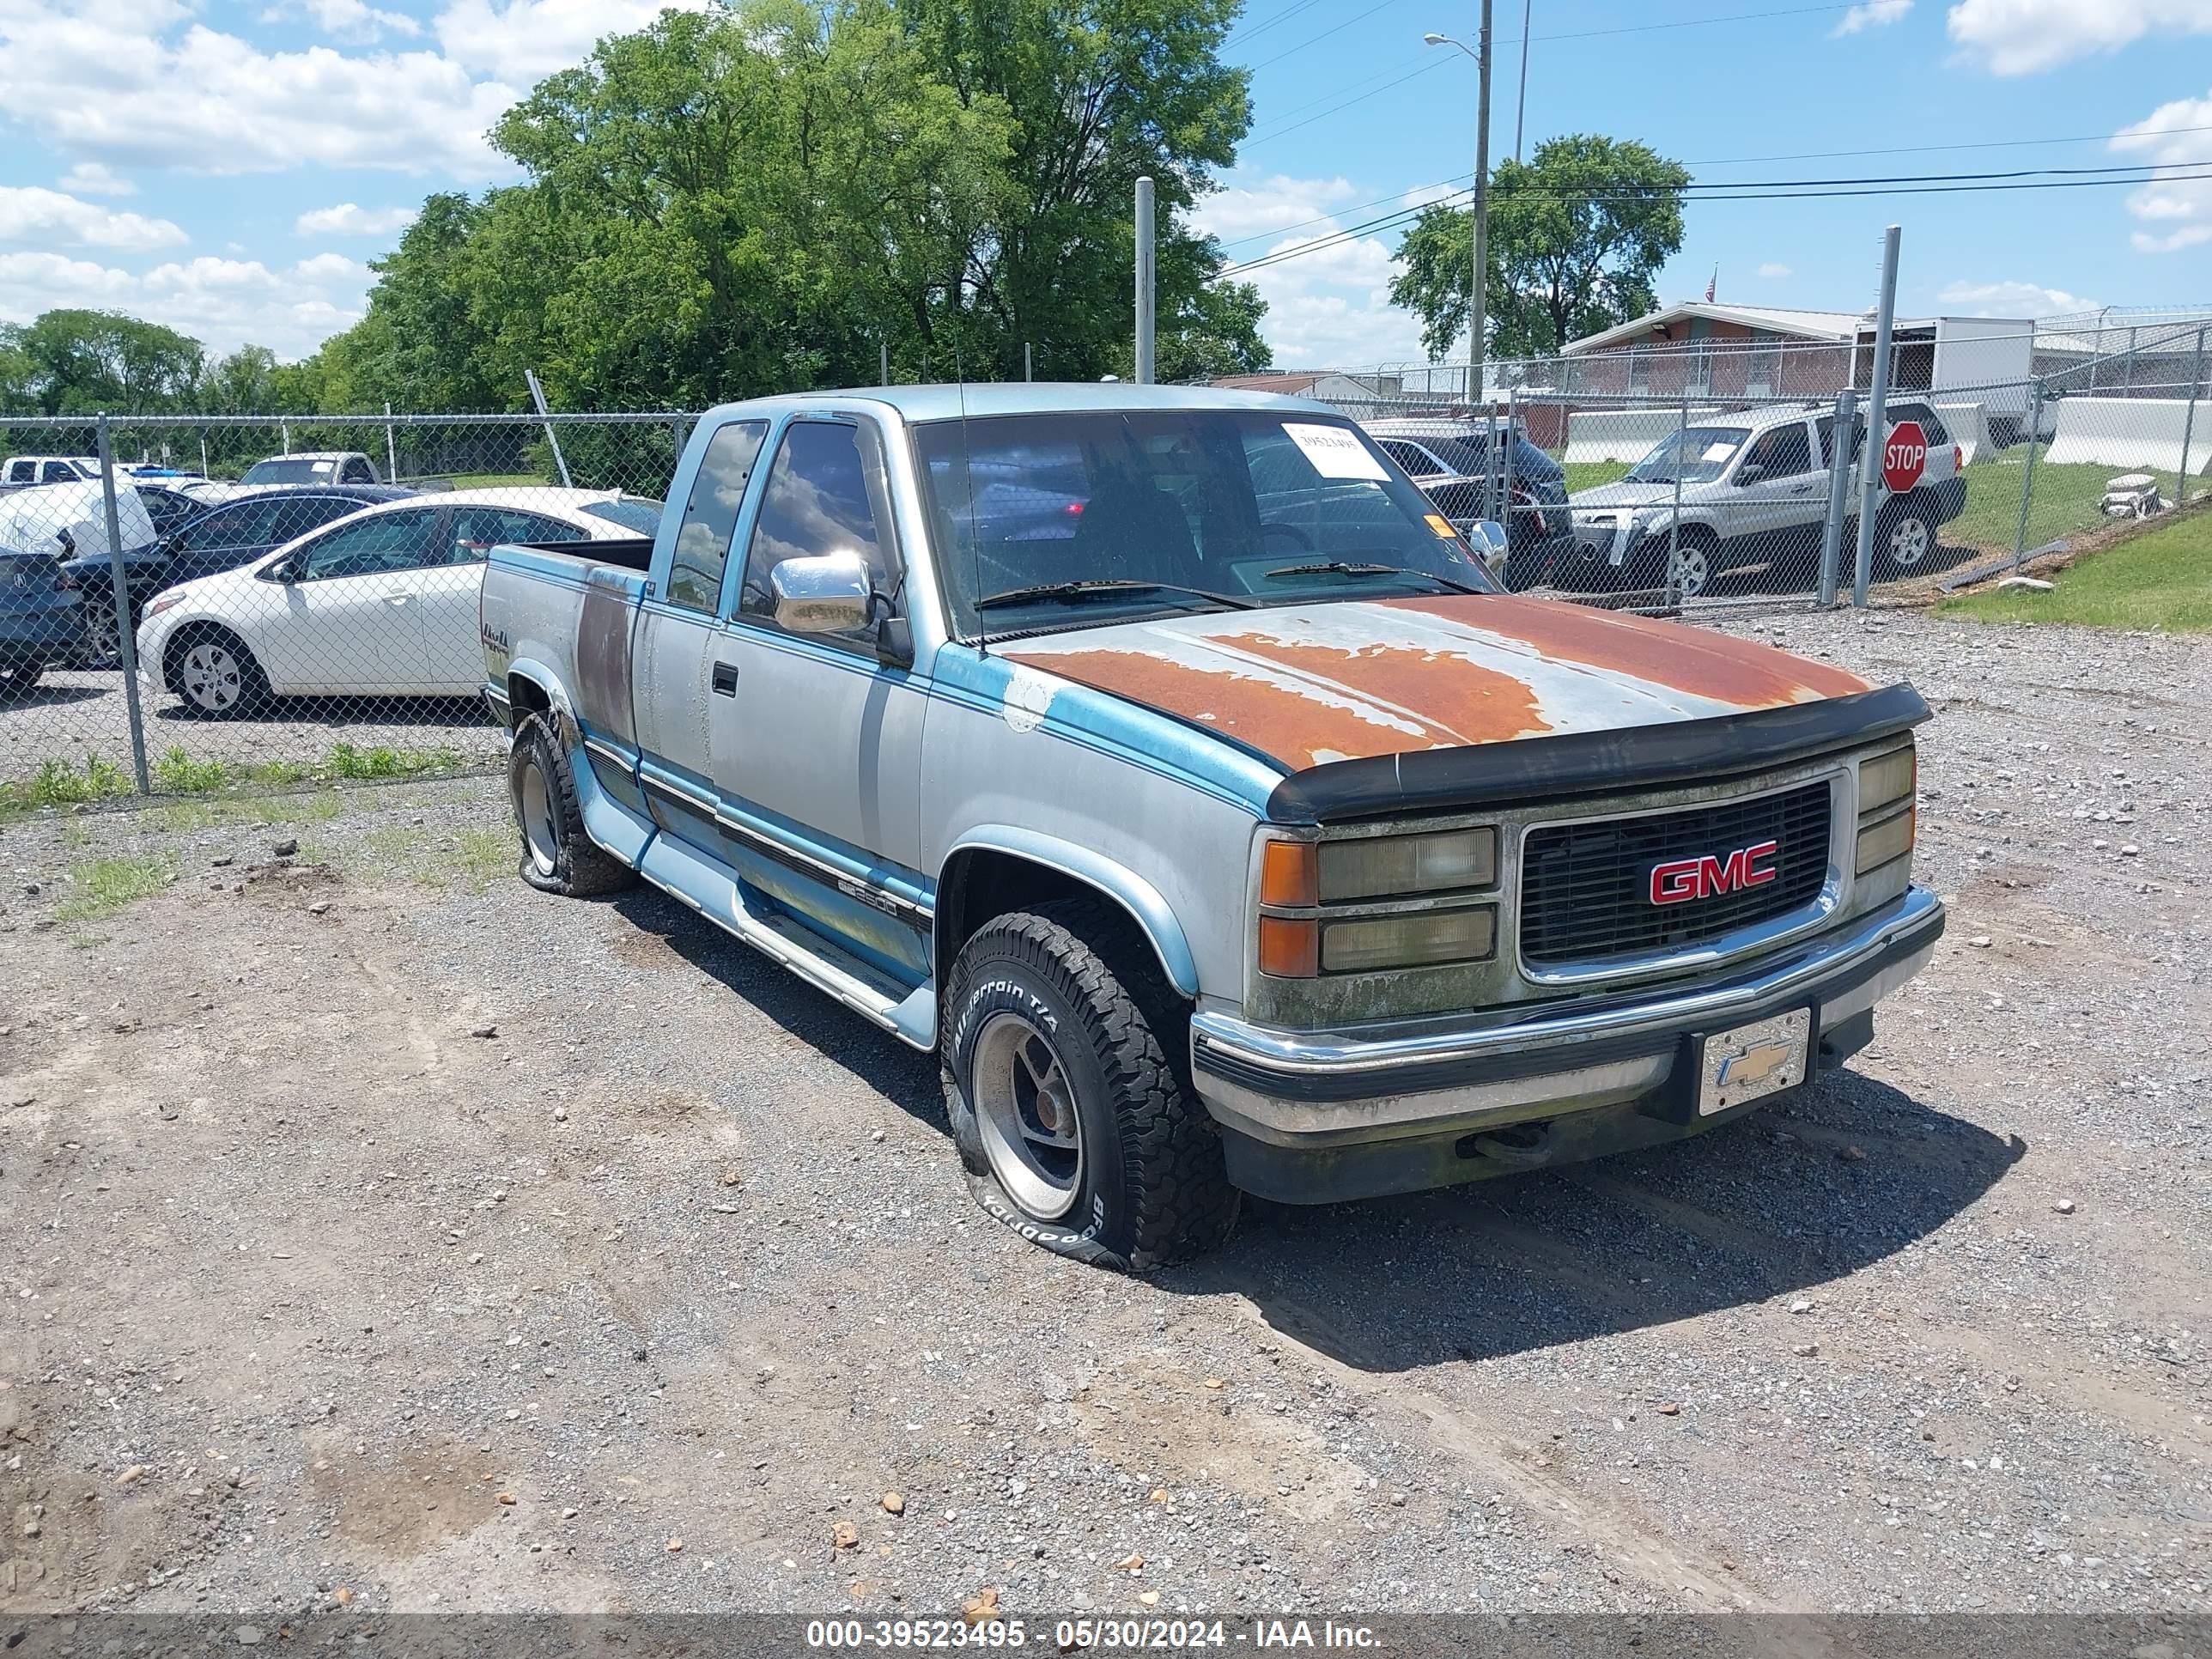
(1679, 880)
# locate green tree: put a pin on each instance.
(78, 363)
(1576, 234)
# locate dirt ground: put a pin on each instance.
(376, 1232)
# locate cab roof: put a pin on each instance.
(917, 403)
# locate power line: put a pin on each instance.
(1783, 189)
(1246, 31)
(1315, 39)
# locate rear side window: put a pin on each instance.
(710, 517)
(359, 471)
(478, 530)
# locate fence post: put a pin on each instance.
(1839, 472)
(2189, 422)
(2028, 473)
(1877, 421)
(390, 448)
(127, 639)
(1670, 590)
(537, 397)
(1508, 502)
(1028, 373)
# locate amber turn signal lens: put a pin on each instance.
(1290, 875)
(1288, 948)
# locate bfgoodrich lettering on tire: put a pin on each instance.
(557, 856)
(1070, 1096)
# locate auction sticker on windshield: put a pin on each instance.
(1334, 453)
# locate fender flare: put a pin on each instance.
(1147, 905)
(564, 709)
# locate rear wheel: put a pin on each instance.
(215, 675)
(557, 856)
(1069, 1095)
(1906, 539)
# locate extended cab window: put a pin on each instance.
(817, 501)
(710, 517)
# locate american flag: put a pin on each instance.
(1713, 284)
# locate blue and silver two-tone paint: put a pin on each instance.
(1161, 758)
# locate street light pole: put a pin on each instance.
(1481, 265)
(1520, 107)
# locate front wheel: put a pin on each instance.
(1069, 1101)
(557, 856)
(216, 676)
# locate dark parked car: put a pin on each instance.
(168, 507)
(1451, 462)
(213, 538)
(41, 620)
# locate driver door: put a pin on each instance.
(1768, 517)
(349, 624)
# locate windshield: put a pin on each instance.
(1706, 452)
(633, 513)
(1056, 520)
(288, 471)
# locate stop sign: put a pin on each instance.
(1904, 456)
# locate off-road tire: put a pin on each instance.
(576, 866)
(1154, 1189)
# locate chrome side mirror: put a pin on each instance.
(1489, 543)
(829, 593)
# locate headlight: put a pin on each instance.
(1419, 940)
(162, 602)
(1386, 866)
(1887, 778)
(1891, 838)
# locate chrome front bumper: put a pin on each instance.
(1278, 1092)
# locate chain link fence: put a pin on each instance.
(1704, 476)
(262, 600)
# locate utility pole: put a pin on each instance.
(1520, 107)
(1480, 264)
(1144, 375)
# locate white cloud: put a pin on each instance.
(347, 19)
(1329, 306)
(91, 178)
(50, 219)
(2019, 37)
(526, 40)
(1772, 268)
(2178, 207)
(1873, 14)
(223, 302)
(349, 219)
(2014, 300)
(114, 89)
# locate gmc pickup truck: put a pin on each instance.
(1166, 764)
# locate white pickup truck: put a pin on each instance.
(1164, 761)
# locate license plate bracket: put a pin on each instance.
(1750, 1061)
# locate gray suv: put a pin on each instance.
(1753, 488)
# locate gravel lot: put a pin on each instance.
(72, 713)
(316, 1294)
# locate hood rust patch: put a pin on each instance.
(1269, 714)
(1458, 700)
(1689, 659)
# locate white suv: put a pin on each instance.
(1753, 489)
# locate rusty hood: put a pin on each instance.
(1307, 685)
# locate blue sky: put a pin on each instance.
(229, 168)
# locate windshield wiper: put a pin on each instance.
(1339, 567)
(1100, 584)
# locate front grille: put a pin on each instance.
(1586, 888)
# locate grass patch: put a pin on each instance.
(60, 783)
(494, 480)
(482, 857)
(2159, 580)
(2065, 500)
(1589, 474)
(100, 887)
(382, 761)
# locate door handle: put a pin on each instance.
(397, 598)
(726, 680)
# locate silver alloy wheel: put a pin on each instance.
(541, 833)
(1025, 1104)
(1692, 570)
(1909, 542)
(213, 677)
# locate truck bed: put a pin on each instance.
(631, 553)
